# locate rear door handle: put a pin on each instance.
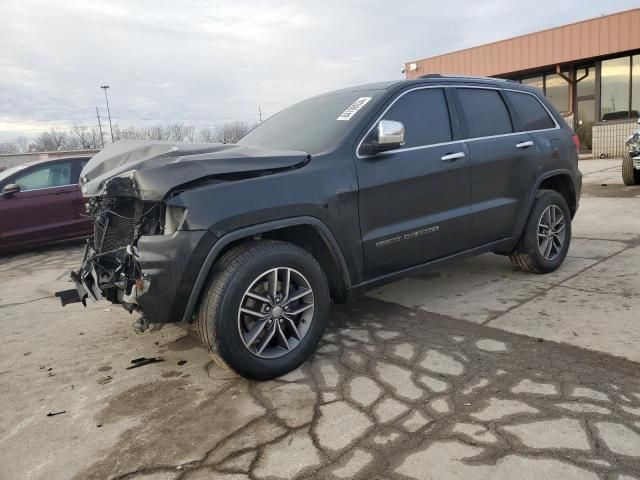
(452, 156)
(526, 144)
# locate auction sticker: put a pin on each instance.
(353, 108)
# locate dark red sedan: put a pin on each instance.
(41, 203)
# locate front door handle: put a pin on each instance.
(526, 144)
(452, 156)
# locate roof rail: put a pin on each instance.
(470, 77)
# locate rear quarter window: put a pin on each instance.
(485, 112)
(532, 115)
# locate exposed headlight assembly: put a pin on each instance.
(174, 217)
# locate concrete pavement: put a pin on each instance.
(592, 301)
(475, 371)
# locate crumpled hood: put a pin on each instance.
(150, 169)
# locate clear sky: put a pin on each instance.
(207, 62)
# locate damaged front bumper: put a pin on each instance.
(126, 282)
(155, 277)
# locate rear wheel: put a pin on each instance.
(264, 309)
(630, 176)
(547, 234)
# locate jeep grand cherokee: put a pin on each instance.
(331, 196)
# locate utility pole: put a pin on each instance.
(100, 126)
(104, 87)
(260, 113)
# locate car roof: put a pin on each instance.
(434, 78)
(52, 160)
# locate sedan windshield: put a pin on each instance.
(314, 125)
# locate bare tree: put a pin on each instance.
(22, 143)
(232, 132)
(207, 135)
(179, 132)
(49, 141)
(9, 147)
(128, 133)
(81, 137)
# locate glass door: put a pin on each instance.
(585, 117)
(585, 111)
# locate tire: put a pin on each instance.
(244, 274)
(630, 176)
(529, 254)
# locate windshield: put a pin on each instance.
(313, 125)
(10, 171)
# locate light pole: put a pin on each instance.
(104, 87)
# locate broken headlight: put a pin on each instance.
(174, 217)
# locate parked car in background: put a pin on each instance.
(41, 203)
(631, 159)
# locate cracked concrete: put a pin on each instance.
(393, 393)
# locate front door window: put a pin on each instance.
(47, 176)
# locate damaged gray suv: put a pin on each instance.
(329, 197)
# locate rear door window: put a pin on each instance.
(530, 111)
(47, 176)
(425, 116)
(485, 112)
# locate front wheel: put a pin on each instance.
(264, 309)
(630, 176)
(547, 234)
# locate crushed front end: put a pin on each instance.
(140, 258)
(111, 268)
(152, 220)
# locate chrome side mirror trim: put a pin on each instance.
(390, 132)
(388, 135)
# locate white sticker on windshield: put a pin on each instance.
(353, 108)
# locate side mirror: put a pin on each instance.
(388, 135)
(10, 189)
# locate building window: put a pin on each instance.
(615, 88)
(557, 91)
(635, 86)
(537, 82)
(586, 78)
(555, 88)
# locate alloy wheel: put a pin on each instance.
(552, 232)
(276, 312)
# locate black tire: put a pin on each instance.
(630, 176)
(217, 317)
(527, 254)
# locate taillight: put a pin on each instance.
(576, 140)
